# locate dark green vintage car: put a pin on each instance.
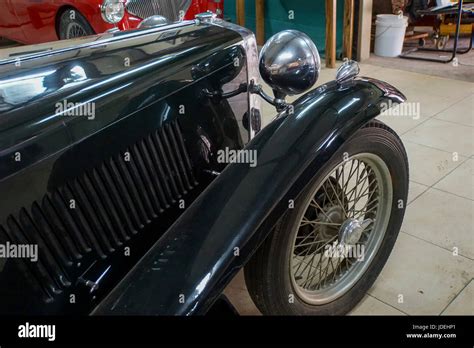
(136, 176)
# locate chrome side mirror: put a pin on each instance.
(289, 64)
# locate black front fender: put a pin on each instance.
(186, 270)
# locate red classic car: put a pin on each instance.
(37, 21)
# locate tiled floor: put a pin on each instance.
(431, 268)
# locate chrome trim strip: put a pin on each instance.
(388, 90)
(102, 39)
(250, 45)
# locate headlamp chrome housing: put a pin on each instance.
(112, 11)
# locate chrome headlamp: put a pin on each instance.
(112, 11)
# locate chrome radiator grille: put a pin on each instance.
(167, 8)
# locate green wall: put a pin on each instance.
(309, 17)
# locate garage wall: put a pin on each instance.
(309, 17)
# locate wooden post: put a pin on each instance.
(348, 29)
(241, 12)
(331, 33)
(365, 28)
(260, 14)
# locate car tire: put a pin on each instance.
(72, 24)
(271, 276)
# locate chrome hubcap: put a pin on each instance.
(352, 229)
(341, 229)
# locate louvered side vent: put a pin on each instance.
(111, 204)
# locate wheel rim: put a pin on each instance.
(75, 30)
(341, 229)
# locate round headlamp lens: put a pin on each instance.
(113, 11)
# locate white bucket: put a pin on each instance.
(389, 35)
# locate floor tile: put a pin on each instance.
(460, 181)
(428, 165)
(420, 278)
(326, 75)
(454, 89)
(400, 124)
(463, 304)
(443, 219)
(461, 112)
(242, 302)
(447, 89)
(398, 78)
(268, 113)
(443, 135)
(416, 110)
(239, 281)
(415, 191)
(430, 104)
(420, 105)
(238, 295)
(461, 72)
(371, 306)
(368, 70)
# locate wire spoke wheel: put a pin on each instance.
(326, 251)
(75, 30)
(71, 27)
(341, 229)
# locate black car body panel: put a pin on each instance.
(65, 180)
(187, 269)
